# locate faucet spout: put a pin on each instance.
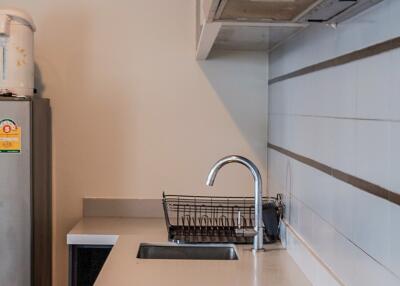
(258, 226)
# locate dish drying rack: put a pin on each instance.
(212, 219)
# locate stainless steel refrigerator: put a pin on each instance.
(25, 192)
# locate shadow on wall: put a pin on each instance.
(39, 85)
(240, 80)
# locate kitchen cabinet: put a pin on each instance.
(85, 263)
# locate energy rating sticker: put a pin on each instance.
(10, 137)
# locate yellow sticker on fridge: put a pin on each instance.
(10, 137)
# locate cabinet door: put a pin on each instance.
(86, 262)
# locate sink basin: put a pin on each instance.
(187, 251)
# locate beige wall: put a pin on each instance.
(133, 113)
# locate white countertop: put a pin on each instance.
(273, 267)
(105, 231)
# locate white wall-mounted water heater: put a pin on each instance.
(16, 53)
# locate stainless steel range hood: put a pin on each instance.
(265, 24)
(336, 11)
(261, 10)
(300, 11)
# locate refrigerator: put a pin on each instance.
(25, 191)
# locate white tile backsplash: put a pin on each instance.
(316, 94)
(327, 140)
(339, 255)
(394, 19)
(394, 99)
(335, 217)
(337, 139)
(365, 89)
(395, 157)
(277, 174)
(323, 238)
(347, 117)
(394, 239)
(373, 151)
(295, 213)
(372, 225)
(359, 147)
(352, 264)
(343, 200)
(275, 130)
(339, 95)
(368, 272)
(375, 86)
(316, 273)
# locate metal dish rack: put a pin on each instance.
(206, 219)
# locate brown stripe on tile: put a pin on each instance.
(341, 60)
(344, 177)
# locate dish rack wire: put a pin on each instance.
(212, 219)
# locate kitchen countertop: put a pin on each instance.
(273, 267)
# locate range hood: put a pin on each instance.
(266, 24)
(298, 11)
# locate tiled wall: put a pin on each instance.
(347, 117)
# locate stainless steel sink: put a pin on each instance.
(187, 251)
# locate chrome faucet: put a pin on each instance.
(258, 226)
